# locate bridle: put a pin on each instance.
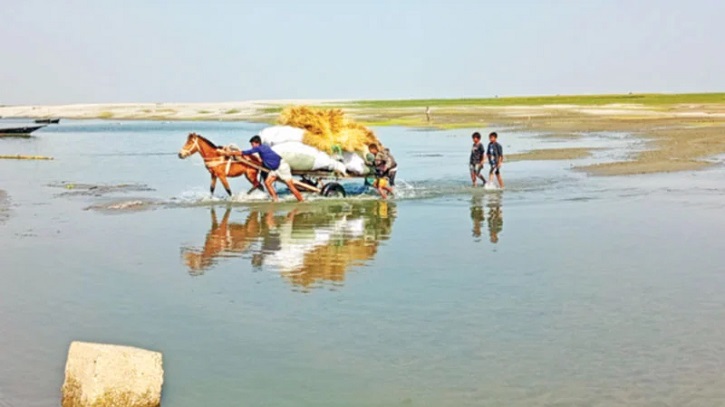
(187, 152)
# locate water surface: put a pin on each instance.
(560, 290)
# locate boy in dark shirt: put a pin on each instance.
(385, 170)
(494, 153)
(475, 163)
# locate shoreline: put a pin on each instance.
(682, 132)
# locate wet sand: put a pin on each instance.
(670, 150)
(679, 137)
(24, 157)
(551, 154)
(560, 136)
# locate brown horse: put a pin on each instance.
(224, 239)
(219, 166)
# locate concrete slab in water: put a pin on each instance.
(101, 375)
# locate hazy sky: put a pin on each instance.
(68, 51)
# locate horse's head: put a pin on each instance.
(191, 146)
(196, 261)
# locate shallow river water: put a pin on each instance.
(562, 290)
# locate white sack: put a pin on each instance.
(293, 151)
(274, 135)
(354, 164)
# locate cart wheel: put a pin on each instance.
(333, 189)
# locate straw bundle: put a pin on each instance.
(328, 129)
(329, 263)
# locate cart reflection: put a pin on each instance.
(310, 246)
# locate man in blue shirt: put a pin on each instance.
(277, 166)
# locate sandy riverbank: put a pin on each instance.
(243, 110)
(573, 153)
(683, 132)
(678, 136)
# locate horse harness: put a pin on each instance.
(210, 163)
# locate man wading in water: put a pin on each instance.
(495, 158)
(277, 166)
(385, 170)
(475, 164)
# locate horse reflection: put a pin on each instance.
(223, 240)
(310, 247)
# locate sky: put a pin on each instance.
(103, 51)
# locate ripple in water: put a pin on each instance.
(4, 206)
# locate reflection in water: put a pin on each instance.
(4, 206)
(310, 246)
(494, 217)
(477, 215)
(222, 240)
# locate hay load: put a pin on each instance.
(328, 130)
(320, 139)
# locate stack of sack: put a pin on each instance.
(287, 142)
(311, 139)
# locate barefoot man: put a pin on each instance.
(277, 166)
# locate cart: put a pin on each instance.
(325, 183)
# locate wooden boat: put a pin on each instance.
(18, 131)
(47, 121)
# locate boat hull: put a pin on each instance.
(15, 131)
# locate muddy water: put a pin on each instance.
(560, 290)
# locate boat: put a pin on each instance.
(48, 121)
(18, 131)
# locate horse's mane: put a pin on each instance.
(206, 140)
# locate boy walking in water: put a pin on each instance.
(475, 163)
(385, 170)
(494, 153)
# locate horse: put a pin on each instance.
(224, 239)
(219, 166)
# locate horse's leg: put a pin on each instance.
(212, 186)
(254, 181)
(223, 179)
(214, 222)
(225, 219)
